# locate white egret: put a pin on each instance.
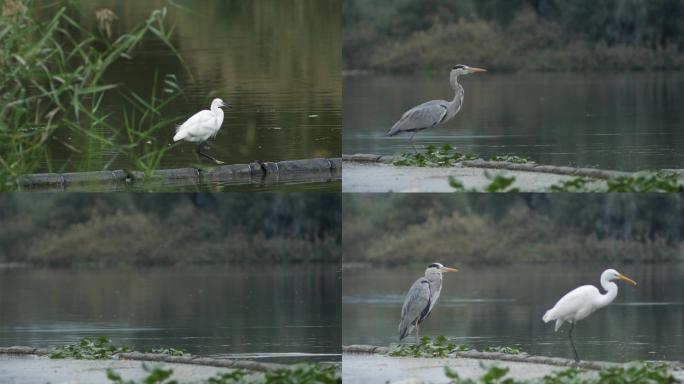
(583, 301)
(202, 126)
(420, 299)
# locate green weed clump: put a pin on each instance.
(101, 349)
(297, 374)
(646, 181)
(437, 347)
(52, 88)
(441, 347)
(498, 183)
(433, 157)
(635, 373)
(506, 350)
(88, 349)
(168, 351)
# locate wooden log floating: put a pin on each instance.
(204, 361)
(256, 366)
(234, 173)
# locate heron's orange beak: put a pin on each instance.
(476, 70)
(447, 269)
(627, 279)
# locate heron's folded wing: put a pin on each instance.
(417, 299)
(423, 116)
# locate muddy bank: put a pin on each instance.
(27, 365)
(381, 177)
(375, 173)
(283, 172)
(371, 364)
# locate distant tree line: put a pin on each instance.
(626, 34)
(153, 229)
(513, 228)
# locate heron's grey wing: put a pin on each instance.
(420, 117)
(417, 299)
(416, 303)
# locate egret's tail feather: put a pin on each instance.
(559, 323)
(180, 135)
(547, 316)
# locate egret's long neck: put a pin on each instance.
(611, 292)
(218, 112)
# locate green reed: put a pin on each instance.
(52, 88)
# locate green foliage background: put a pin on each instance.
(499, 229)
(165, 229)
(513, 35)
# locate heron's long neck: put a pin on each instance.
(455, 104)
(611, 292)
(435, 280)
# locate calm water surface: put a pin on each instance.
(278, 313)
(627, 121)
(277, 62)
(503, 306)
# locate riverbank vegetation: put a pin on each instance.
(176, 229)
(635, 372)
(54, 89)
(409, 36)
(502, 229)
(297, 374)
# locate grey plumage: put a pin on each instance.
(434, 112)
(421, 299)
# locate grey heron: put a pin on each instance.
(202, 126)
(583, 301)
(434, 112)
(420, 300)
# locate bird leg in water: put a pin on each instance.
(572, 344)
(412, 142)
(417, 333)
(199, 153)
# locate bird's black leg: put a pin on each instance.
(572, 344)
(199, 153)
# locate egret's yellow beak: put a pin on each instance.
(476, 70)
(447, 269)
(627, 279)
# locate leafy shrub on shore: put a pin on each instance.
(635, 372)
(505, 35)
(516, 236)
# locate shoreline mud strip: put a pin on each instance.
(377, 173)
(28, 365)
(371, 364)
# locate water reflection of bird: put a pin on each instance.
(420, 300)
(583, 301)
(434, 112)
(202, 126)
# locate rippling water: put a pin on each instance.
(503, 306)
(628, 121)
(277, 62)
(279, 313)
